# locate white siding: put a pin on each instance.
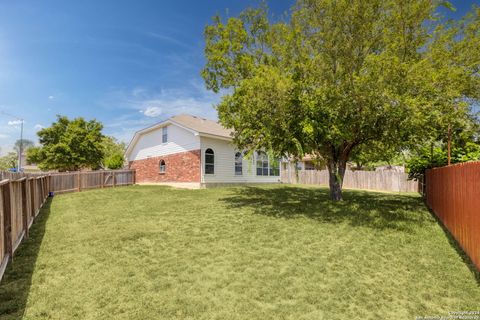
(225, 165)
(150, 144)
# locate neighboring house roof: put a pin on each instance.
(196, 125)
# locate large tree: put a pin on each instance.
(68, 145)
(335, 75)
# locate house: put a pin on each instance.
(189, 149)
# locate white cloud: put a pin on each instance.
(4, 136)
(51, 97)
(140, 107)
(152, 111)
(14, 122)
(38, 127)
(193, 99)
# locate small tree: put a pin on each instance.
(8, 161)
(113, 153)
(68, 145)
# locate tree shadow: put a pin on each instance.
(380, 211)
(16, 282)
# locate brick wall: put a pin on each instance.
(180, 167)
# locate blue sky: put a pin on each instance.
(128, 64)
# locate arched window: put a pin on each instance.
(209, 161)
(238, 163)
(162, 166)
(262, 164)
(267, 165)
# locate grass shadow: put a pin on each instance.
(16, 282)
(458, 248)
(360, 208)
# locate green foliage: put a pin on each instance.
(114, 161)
(432, 157)
(69, 145)
(113, 153)
(8, 161)
(376, 154)
(337, 75)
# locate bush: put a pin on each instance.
(438, 157)
(114, 162)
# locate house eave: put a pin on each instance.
(213, 136)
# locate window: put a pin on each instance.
(262, 164)
(209, 161)
(274, 167)
(238, 163)
(164, 134)
(162, 166)
(267, 166)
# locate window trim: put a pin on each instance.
(165, 134)
(262, 158)
(266, 169)
(238, 163)
(209, 164)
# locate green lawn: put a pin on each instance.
(273, 252)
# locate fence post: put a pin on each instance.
(7, 218)
(24, 206)
(32, 197)
(113, 174)
(79, 188)
(103, 179)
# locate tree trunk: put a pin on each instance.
(336, 172)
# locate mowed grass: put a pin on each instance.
(273, 252)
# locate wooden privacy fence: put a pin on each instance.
(368, 180)
(453, 194)
(22, 196)
(20, 203)
(78, 181)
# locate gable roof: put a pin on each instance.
(196, 125)
(202, 125)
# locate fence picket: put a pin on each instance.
(368, 180)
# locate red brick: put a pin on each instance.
(180, 167)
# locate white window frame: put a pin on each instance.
(238, 163)
(212, 164)
(162, 168)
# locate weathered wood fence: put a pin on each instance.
(20, 203)
(78, 181)
(453, 194)
(22, 196)
(368, 180)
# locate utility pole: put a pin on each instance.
(449, 145)
(19, 167)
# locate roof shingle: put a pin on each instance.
(202, 125)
